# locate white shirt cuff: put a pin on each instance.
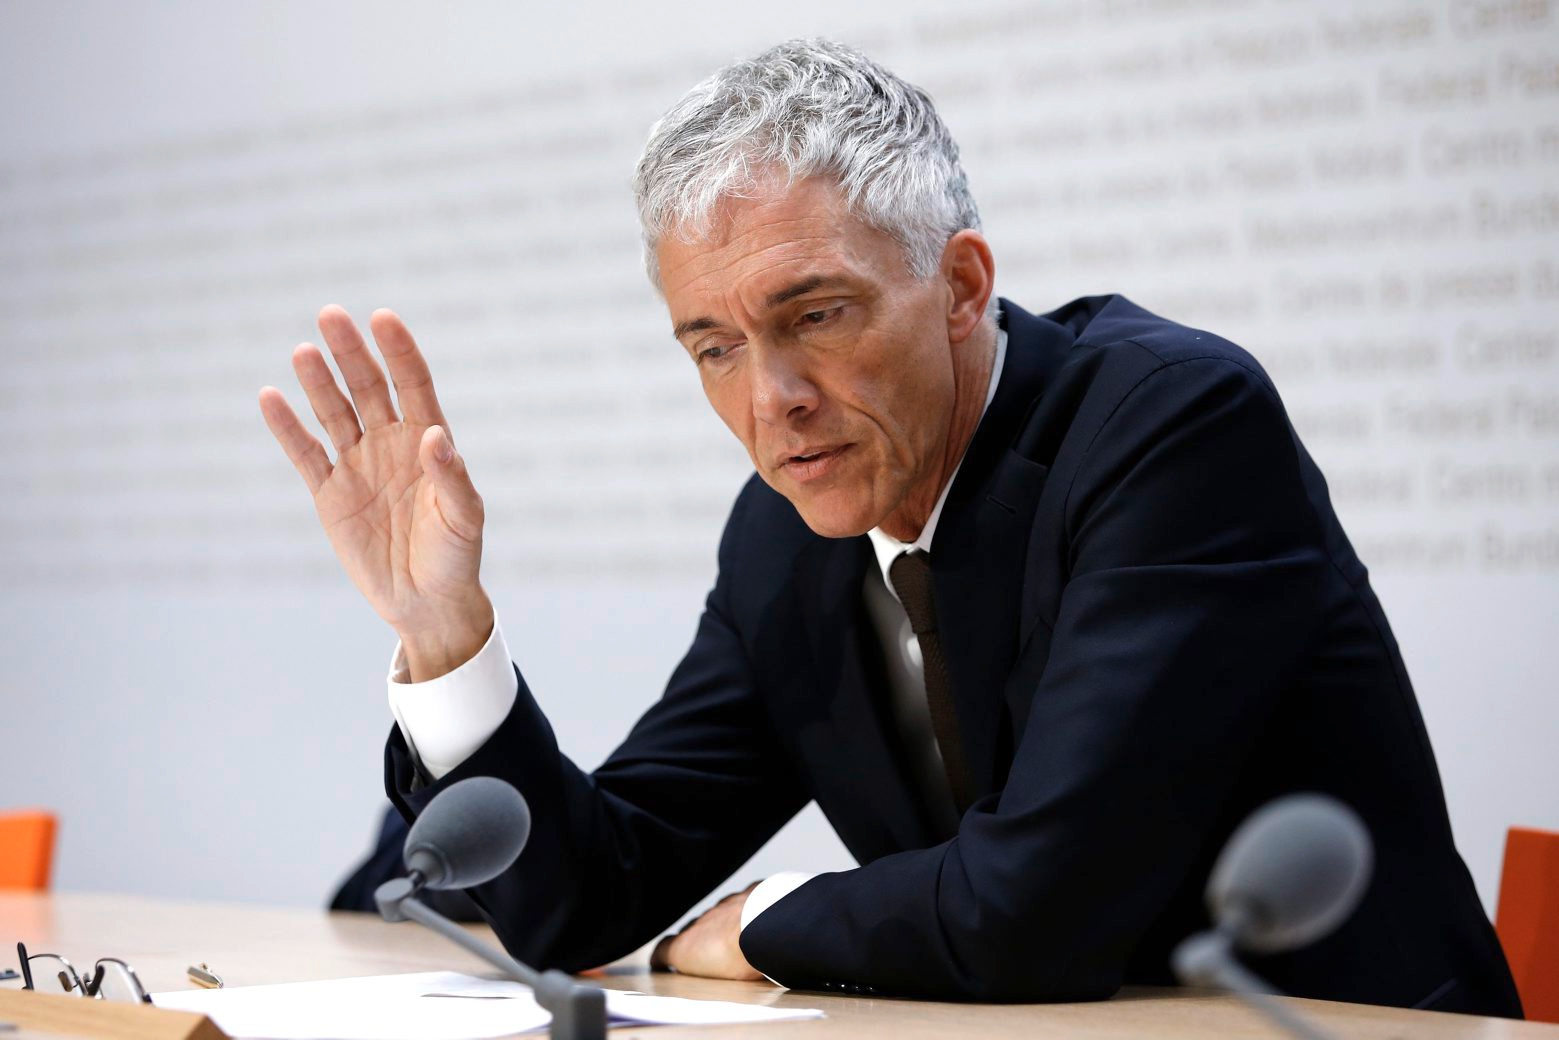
(770, 891)
(445, 720)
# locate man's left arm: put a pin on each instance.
(1195, 560)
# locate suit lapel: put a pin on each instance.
(977, 555)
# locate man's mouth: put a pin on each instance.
(812, 465)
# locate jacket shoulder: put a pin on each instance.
(1123, 353)
(1127, 335)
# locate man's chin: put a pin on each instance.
(831, 519)
(839, 508)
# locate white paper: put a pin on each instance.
(411, 1007)
(643, 1009)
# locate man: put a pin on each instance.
(1037, 608)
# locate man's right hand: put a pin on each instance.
(398, 505)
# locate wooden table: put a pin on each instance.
(254, 945)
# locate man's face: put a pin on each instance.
(829, 361)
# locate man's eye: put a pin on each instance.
(714, 353)
(819, 317)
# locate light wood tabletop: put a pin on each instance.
(254, 945)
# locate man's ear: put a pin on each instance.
(970, 273)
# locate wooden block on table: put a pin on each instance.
(58, 1014)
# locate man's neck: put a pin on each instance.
(884, 543)
(974, 384)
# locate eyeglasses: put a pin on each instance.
(112, 978)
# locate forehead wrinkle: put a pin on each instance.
(823, 239)
(763, 274)
(698, 264)
(742, 255)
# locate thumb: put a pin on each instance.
(458, 501)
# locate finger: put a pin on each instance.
(458, 502)
(660, 957)
(363, 376)
(408, 369)
(330, 405)
(305, 452)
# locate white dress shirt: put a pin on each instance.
(444, 720)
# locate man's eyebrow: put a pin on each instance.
(801, 288)
(779, 296)
(682, 328)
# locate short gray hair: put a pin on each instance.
(804, 108)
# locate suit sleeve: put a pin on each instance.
(1194, 556)
(617, 855)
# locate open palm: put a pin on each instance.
(397, 504)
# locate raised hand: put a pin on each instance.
(398, 506)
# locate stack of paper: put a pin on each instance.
(437, 1005)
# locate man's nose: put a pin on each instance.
(782, 390)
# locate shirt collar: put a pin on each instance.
(887, 547)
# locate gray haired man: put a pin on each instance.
(1036, 608)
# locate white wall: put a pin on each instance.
(1364, 200)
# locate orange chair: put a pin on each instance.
(26, 849)
(1528, 918)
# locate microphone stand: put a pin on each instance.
(1206, 960)
(578, 1011)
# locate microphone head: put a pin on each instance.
(1291, 873)
(470, 833)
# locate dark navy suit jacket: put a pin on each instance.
(1152, 622)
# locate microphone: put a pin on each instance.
(1290, 875)
(471, 832)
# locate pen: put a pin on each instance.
(202, 976)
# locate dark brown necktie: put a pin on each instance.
(911, 577)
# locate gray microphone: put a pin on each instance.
(1290, 875)
(471, 832)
